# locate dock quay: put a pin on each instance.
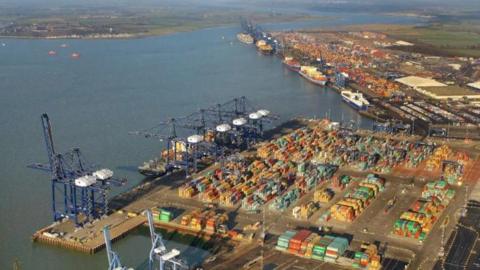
(89, 240)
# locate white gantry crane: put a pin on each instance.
(159, 255)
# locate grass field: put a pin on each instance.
(137, 22)
(462, 39)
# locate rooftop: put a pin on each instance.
(475, 85)
(414, 81)
(451, 91)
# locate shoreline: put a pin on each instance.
(129, 36)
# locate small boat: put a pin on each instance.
(4, 44)
(52, 53)
(355, 99)
(75, 55)
(63, 45)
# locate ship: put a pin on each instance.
(291, 63)
(153, 168)
(75, 55)
(245, 38)
(52, 53)
(355, 99)
(264, 47)
(313, 75)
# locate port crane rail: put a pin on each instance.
(79, 190)
(248, 124)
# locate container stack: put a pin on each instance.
(162, 215)
(284, 201)
(440, 154)
(367, 258)
(323, 195)
(418, 221)
(295, 244)
(320, 248)
(326, 248)
(284, 240)
(305, 211)
(354, 202)
(341, 182)
(335, 249)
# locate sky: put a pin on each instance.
(433, 4)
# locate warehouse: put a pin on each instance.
(449, 92)
(416, 82)
(475, 85)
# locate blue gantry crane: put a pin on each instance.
(79, 190)
(209, 132)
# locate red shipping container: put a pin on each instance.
(331, 253)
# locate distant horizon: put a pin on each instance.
(392, 5)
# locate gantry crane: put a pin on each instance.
(159, 255)
(79, 191)
(113, 259)
(209, 132)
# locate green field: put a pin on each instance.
(134, 22)
(453, 39)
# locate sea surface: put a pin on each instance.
(117, 86)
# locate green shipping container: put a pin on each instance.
(318, 258)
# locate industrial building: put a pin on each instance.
(452, 92)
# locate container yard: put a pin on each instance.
(316, 192)
(327, 248)
(317, 175)
(398, 85)
(419, 219)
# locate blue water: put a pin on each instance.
(118, 86)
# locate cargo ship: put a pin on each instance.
(291, 63)
(264, 47)
(245, 38)
(313, 75)
(153, 168)
(356, 100)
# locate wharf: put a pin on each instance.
(161, 192)
(89, 240)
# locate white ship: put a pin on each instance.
(356, 100)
